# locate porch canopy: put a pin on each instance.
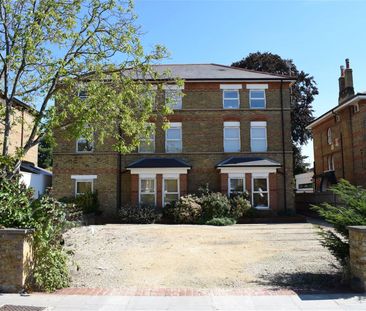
(248, 165)
(159, 165)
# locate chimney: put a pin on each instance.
(346, 89)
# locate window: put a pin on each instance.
(260, 191)
(231, 99)
(306, 186)
(257, 99)
(231, 136)
(173, 98)
(147, 191)
(83, 183)
(147, 144)
(258, 136)
(236, 184)
(173, 138)
(356, 108)
(171, 190)
(331, 163)
(329, 136)
(83, 145)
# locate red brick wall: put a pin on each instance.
(183, 184)
(224, 183)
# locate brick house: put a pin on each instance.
(230, 130)
(340, 137)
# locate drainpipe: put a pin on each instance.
(119, 177)
(283, 149)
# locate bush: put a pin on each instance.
(88, 202)
(187, 210)
(224, 221)
(140, 214)
(48, 218)
(214, 205)
(351, 212)
(239, 205)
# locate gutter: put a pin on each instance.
(334, 110)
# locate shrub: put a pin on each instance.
(48, 218)
(140, 214)
(88, 202)
(187, 210)
(223, 221)
(239, 205)
(351, 212)
(214, 205)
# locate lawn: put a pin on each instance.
(188, 256)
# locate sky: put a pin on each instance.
(317, 35)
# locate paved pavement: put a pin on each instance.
(59, 302)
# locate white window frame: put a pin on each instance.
(255, 124)
(235, 125)
(261, 176)
(152, 140)
(170, 177)
(230, 99)
(329, 136)
(83, 178)
(85, 151)
(331, 162)
(174, 125)
(251, 97)
(147, 177)
(235, 176)
(175, 94)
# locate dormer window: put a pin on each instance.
(329, 136)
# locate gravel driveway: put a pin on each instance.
(240, 256)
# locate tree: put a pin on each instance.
(53, 51)
(351, 212)
(45, 154)
(303, 92)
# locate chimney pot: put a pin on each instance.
(342, 71)
(347, 63)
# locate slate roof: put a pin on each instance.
(212, 72)
(29, 167)
(248, 162)
(158, 162)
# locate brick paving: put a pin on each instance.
(173, 292)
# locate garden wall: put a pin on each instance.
(357, 242)
(15, 258)
(304, 201)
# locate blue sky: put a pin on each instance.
(317, 35)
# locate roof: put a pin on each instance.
(29, 167)
(21, 104)
(332, 111)
(158, 162)
(248, 162)
(213, 72)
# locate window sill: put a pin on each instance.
(262, 208)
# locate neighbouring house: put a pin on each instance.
(304, 182)
(230, 130)
(22, 122)
(340, 137)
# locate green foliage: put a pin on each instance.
(45, 150)
(223, 221)
(48, 218)
(88, 37)
(214, 205)
(140, 214)
(187, 210)
(239, 205)
(88, 202)
(351, 212)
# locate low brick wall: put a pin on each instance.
(304, 201)
(15, 258)
(357, 241)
